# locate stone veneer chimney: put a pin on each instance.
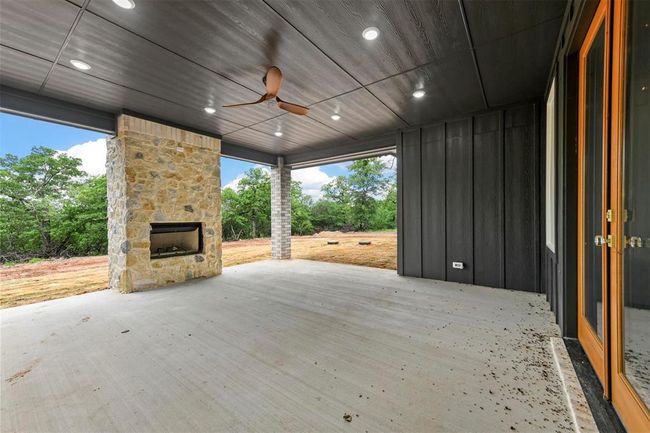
(160, 174)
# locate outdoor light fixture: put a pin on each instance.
(210, 110)
(419, 93)
(278, 133)
(335, 117)
(126, 4)
(370, 33)
(80, 65)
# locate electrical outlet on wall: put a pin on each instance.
(458, 265)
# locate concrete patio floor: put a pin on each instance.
(284, 346)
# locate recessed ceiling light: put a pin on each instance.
(278, 133)
(210, 110)
(370, 33)
(80, 65)
(126, 4)
(335, 117)
(419, 93)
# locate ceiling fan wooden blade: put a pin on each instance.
(273, 81)
(262, 99)
(292, 108)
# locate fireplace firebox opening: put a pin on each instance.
(175, 239)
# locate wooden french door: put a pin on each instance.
(614, 205)
(630, 193)
(593, 193)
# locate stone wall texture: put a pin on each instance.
(281, 212)
(157, 173)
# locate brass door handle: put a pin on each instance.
(600, 240)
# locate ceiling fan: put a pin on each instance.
(273, 80)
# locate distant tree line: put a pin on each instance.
(50, 208)
(365, 199)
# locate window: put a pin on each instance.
(550, 168)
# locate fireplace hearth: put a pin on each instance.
(175, 239)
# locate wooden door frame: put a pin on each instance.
(632, 410)
(596, 351)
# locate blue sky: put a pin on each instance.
(19, 134)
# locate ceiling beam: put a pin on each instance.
(40, 107)
(247, 154)
(45, 108)
(376, 146)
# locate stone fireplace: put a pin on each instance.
(164, 200)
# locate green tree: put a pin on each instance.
(329, 215)
(249, 213)
(385, 216)
(81, 226)
(234, 224)
(337, 191)
(32, 190)
(366, 183)
(301, 216)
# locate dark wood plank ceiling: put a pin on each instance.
(170, 59)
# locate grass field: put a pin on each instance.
(52, 279)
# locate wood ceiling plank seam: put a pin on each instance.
(236, 130)
(145, 93)
(461, 5)
(174, 52)
(309, 105)
(510, 35)
(331, 127)
(265, 133)
(76, 21)
(415, 68)
(271, 135)
(231, 80)
(331, 59)
(25, 53)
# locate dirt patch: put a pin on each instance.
(22, 373)
(52, 279)
(51, 266)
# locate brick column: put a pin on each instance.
(281, 211)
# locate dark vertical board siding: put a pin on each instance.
(488, 200)
(521, 199)
(411, 204)
(469, 191)
(433, 202)
(459, 200)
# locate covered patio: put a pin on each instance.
(508, 119)
(256, 350)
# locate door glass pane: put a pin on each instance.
(636, 197)
(593, 190)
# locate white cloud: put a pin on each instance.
(311, 179)
(390, 161)
(92, 155)
(234, 184)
